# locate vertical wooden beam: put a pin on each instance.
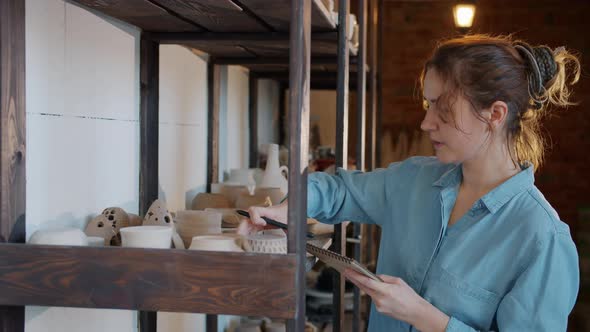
(360, 142)
(213, 94)
(213, 90)
(341, 150)
(299, 71)
(12, 136)
(253, 119)
(149, 137)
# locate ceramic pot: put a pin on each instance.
(229, 217)
(117, 216)
(275, 176)
(215, 243)
(158, 214)
(206, 200)
(102, 227)
(134, 220)
(275, 327)
(266, 243)
(191, 223)
(67, 236)
(232, 192)
(245, 201)
(147, 237)
(95, 241)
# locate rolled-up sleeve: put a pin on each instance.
(349, 195)
(543, 295)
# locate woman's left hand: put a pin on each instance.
(393, 297)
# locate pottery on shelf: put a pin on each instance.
(190, 223)
(147, 237)
(275, 175)
(67, 236)
(95, 241)
(207, 200)
(158, 214)
(134, 220)
(233, 191)
(117, 216)
(102, 227)
(266, 243)
(215, 243)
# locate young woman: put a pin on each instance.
(468, 242)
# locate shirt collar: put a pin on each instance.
(495, 199)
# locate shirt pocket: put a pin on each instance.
(473, 305)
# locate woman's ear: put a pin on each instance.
(496, 114)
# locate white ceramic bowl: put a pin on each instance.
(68, 236)
(96, 241)
(147, 237)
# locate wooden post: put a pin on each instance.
(360, 143)
(149, 133)
(12, 136)
(299, 71)
(341, 150)
(213, 90)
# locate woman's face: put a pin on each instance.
(454, 141)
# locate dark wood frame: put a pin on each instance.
(142, 284)
(12, 138)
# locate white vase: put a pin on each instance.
(275, 176)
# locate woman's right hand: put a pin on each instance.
(256, 223)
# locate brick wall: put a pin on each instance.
(410, 31)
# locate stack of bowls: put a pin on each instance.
(191, 223)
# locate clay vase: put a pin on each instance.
(158, 214)
(117, 216)
(275, 176)
(206, 200)
(215, 243)
(134, 220)
(102, 227)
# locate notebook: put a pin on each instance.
(339, 262)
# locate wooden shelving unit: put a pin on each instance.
(293, 41)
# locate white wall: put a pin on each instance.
(82, 134)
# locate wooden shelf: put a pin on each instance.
(148, 279)
(222, 28)
(210, 15)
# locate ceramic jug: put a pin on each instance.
(274, 175)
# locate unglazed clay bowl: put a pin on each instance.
(206, 200)
(215, 243)
(68, 236)
(147, 237)
(266, 243)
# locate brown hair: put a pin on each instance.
(486, 69)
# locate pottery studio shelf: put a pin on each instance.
(245, 29)
(251, 33)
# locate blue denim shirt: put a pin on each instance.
(509, 264)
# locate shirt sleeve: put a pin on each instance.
(543, 295)
(349, 195)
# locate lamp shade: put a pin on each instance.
(463, 14)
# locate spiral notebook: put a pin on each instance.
(339, 262)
